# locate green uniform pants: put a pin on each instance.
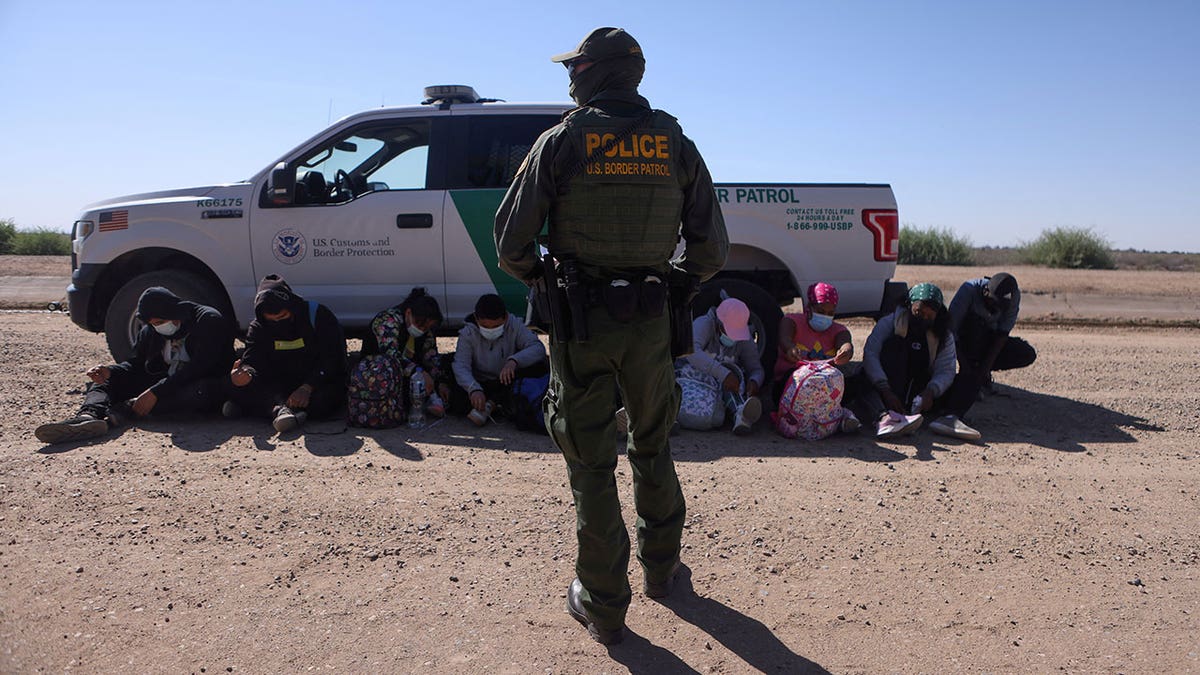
(580, 405)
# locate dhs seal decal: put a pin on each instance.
(289, 246)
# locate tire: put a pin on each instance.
(121, 325)
(765, 314)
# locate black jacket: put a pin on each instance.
(299, 350)
(206, 335)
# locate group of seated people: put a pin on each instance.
(295, 364)
(923, 361)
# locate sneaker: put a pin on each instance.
(949, 425)
(894, 424)
(78, 428)
(231, 410)
(480, 417)
(435, 407)
(285, 419)
(747, 414)
(850, 423)
(622, 418)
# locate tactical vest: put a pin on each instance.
(623, 209)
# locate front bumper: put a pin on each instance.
(80, 296)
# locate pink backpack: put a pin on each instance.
(811, 405)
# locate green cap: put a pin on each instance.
(602, 43)
(926, 292)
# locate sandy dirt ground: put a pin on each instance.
(1067, 540)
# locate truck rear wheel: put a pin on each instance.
(765, 314)
(121, 325)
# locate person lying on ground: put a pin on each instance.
(294, 366)
(178, 363)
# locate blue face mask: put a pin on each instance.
(727, 341)
(820, 322)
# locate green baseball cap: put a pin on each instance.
(926, 292)
(602, 43)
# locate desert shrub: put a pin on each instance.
(934, 246)
(8, 232)
(42, 241)
(1071, 248)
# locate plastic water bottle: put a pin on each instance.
(416, 410)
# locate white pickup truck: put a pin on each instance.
(397, 197)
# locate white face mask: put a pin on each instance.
(491, 333)
(167, 329)
(414, 331)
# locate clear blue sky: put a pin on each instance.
(994, 119)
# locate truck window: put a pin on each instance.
(494, 149)
(369, 158)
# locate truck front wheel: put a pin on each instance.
(121, 324)
(765, 313)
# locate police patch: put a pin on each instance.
(644, 156)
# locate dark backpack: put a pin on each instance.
(527, 396)
(375, 396)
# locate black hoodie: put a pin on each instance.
(205, 333)
(294, 351)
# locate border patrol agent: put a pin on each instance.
(620, 184)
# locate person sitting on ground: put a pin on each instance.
(982, 316)
(405, 332)
(494, 349)
(908, 361)
(178, 362)
(724, 360)
(811, 336)
(294, 366)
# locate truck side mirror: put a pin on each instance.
(281, 186)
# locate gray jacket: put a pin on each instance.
(711, 357)
(942, 357)
(478, 359)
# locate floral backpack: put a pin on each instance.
(700, 404)
(375, 395)
(811, 405)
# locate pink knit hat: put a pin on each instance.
(735, 318)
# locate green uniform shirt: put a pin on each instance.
(536, 189)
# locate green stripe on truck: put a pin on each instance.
(477, 208)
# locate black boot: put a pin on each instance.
(86, 424)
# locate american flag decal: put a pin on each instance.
(114, 220)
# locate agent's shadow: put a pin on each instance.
(746, 637)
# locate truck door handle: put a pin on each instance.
(412, 221)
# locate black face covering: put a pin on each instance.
(623, 73)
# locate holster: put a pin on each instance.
(682, 288)
(549, 300)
